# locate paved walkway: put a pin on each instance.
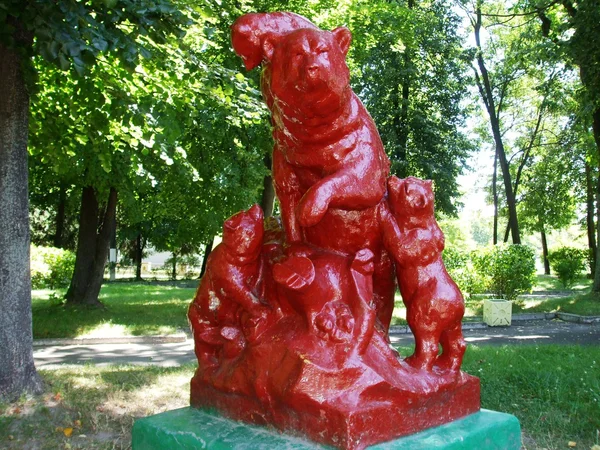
(178, 353)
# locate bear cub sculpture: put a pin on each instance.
(227, 306)
(434, 303)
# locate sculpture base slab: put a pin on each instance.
(192, 428)
(368, 421)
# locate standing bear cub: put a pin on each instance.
(434, 304)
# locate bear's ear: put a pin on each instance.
(343, 37)
(394, 184)
(268, 48)
(256, 212)
(249, 32)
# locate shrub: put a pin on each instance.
(567, 263)
(508, 270)
(460, 268)
(51, 267)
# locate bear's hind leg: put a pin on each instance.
(453, 348)
(426, 349)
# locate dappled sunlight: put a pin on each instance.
(169, 391)
(106, 329)
(172, 301)
(89, 407)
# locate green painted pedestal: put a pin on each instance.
(191, 428)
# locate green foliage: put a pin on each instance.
(460, 267)
(51, 267)
(409, 69)
(567, 263)
(508, 270)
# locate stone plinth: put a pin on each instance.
(191, 428)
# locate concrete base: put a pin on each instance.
(191, 428)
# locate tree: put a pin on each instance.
(493, 93)
(409, 69)
(17, 370)
(67, 33)
(574, 29)
(548, 200)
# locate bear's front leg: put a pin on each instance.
(313, 205)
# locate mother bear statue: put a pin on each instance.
(329, 165)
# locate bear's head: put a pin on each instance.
(305, 67)
(308, 70)
(410, 196)
(243, 232)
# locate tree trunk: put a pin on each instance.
(495, 195)
(591, 230)
(207, 251)
(59, 240)
(139, 251)
(113, 245)
(268, 195)
(596, 132)
(174, 267)
(17, 370)
(92, 248)
(487, 94)
(545, 252)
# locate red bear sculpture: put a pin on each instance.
(290, 322)
(329, 165)
(434, 304)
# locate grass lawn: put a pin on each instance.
(553, 390)
(584, 304)
(130, 309)
(551, 283)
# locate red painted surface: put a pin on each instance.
(291, 322)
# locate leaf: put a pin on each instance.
(68, 431)
(63, 62)
(100, 44)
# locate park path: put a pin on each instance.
(177, 353)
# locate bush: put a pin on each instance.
(567, 263)
(508, 270)
(51, 267)
(460, 267)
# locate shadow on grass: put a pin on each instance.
(587, 304)
(99, 405)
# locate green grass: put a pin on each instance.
(553, 390)
(586, 304)
(130, 309)
(552, 283)
(99, 405)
